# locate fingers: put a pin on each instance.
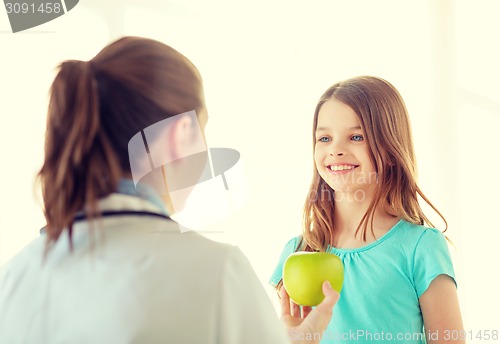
(315, 321)
(311, 321)
(331, 298)
(284, 302)
(288, 307)
(295, 309)
(306, 310)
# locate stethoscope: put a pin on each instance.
(115, 213)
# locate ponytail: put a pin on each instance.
(95, 109)
(80, 165)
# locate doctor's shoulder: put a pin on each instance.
(18, 273)
(33, 251)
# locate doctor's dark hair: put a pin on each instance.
(95, 108)
(386, 124)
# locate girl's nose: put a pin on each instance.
(336, 150)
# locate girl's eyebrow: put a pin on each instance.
(325, 128)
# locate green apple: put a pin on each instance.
(305, 272)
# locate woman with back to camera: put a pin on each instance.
(113, 267)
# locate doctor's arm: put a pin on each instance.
(441, 312)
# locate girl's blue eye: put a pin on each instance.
(323, 139)
(357, 138)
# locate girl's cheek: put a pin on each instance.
(318, 154)
(318, 163)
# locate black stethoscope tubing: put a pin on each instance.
(114, 213)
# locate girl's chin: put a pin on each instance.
(350, 195)
(346, 187)
(342, 188)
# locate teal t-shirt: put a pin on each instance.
(382, 284)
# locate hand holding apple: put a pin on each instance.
(305, 272)
(309, 326)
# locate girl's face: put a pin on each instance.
(341, 153)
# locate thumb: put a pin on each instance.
(319, 318)
(331, 297)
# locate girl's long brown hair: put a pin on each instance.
(386, 124)
(385, 121)
(95, 108)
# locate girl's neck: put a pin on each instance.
(349, 210)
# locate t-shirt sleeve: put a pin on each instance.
(246, 313)
(431, 259)
(289, 248)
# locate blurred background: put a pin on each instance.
(265, 64)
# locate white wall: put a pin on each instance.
(264, 66)
(477, 113)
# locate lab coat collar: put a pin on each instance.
(128, 187)
(124, 202)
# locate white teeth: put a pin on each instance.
(341, 167)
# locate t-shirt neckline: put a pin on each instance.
(384, 237)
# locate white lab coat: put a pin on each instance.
(134, 280)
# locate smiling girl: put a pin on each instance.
(399, 282)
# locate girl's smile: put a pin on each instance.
(341, 168)
(341, 152)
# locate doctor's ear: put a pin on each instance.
(183, 136)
